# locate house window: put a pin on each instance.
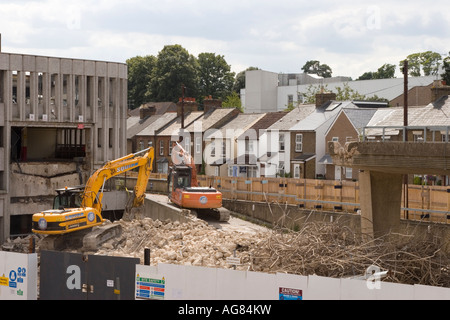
(150, 144)
(445, 138)
(335, 139)
(281, 169)
(281, 142)
(248, 146)
(198, 144)
(161, 148)
(216, 171)
(230, 171)
(299, 142)
(348, 173)
(170, 147)
(297, 170)
(213, 149)
(290, 99)
(252, 172)
(418, 138)
(187, 144)
(224, 149)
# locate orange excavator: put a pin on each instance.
(185, 192)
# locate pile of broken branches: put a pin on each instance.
(333, 250)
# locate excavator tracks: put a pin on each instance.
(221, 214)
(86, 240)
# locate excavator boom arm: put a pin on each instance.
(92, 193)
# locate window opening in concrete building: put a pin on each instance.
(101, 91)
(65, 90)
(70, 143)
(89, 91)
(77, 90)
(40, 88)
(110, 137)
(112, 92)
(20, 225)
(47, 144)
(99, 137)
(14, 87)
(53, 89)
(28, 88)
(16, 144)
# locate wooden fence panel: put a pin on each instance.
(432, 203)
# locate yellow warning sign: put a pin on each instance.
(4, 281)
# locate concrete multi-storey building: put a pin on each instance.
(60, 119)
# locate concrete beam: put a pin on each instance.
(395, 157)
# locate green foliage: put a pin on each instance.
(175, 67)
(215, 76)
(347, 93)
(427, 61)
(233, 101)
(161, 78)
(446, 65)
(386, 71)
(314, 67)
(139, 75)
(289, 107)
(310, 96)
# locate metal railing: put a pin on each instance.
(425, 129)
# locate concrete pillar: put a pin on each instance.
(34, 93)
(380, 197)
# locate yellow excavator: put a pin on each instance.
(70, 216)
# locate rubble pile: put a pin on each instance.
(193, 243)
(324, 249)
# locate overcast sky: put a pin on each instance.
(352, 37)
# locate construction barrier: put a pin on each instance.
(74, 276)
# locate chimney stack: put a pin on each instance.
(210, 103)
(439, 89)
(146, 111)
(190, 105)
(323, 97)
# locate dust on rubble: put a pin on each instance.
(194, 243)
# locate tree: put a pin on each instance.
(139, 76)
(175, 67)
(215, 76)
(386, 71)
(427, 61)
(314, 67)
(310, 96)
(343, 94)
(446, 66)
(233, 101)
(367, 76)
(347, 93)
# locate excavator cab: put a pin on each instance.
(68, 198)
(180, 177)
